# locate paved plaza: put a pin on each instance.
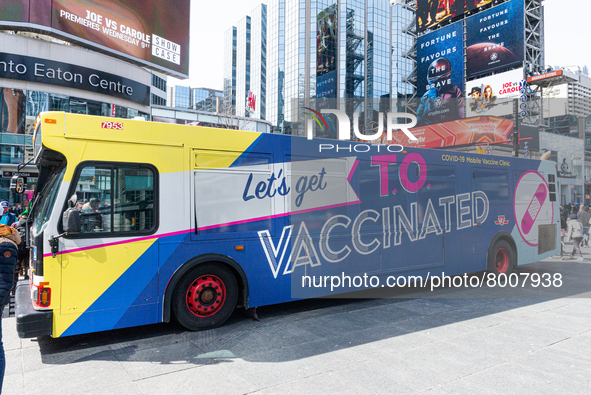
(452, 340)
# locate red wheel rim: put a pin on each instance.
(502, 260)
(206, 296)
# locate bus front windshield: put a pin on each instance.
(47, 201)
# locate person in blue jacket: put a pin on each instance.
(7, 218)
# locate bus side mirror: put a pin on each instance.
(71, 221)
(18, 184)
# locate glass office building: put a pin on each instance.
(245, 64)
(204, 99)
(403, 18)
(258, 64)
(276, 65)
(324, 50)
(180, 96)
(229, 106)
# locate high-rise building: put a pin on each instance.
(322, 50)
(276, 64)
(202, 99)
(205, 99)
(230, 71)
(258, 64)
(179, 96)
(158, 90)
(245, 68)
(567, 104)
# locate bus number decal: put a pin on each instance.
(112, 125)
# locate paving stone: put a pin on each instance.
(14, 362)
(37, 359)
(73, 378)
(551, 360)
(330, 382)
(150, 362)
(13, 384)
(512, 378)
(121, 389)
(10, 337)
(210, 379)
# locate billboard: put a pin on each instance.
(326, 53)
(545, 76)
(495, 39)
(494, 95)
(555, 100)
(432, 12)
(27, 68)
(459, 132)
(12, 111)
(153, 33)
(440, 75)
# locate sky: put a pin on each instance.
(567, 35)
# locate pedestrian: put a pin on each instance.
(563, 217)
(584, 216)
(574, 232)
(9, 241)
(23, 251)
(8, 218)
(565, 213)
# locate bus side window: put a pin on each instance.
(134, 199)
(115, 199)
(94, 196)
(493, 182)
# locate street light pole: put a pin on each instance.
(515, 128)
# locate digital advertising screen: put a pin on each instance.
(494, 95)
(495, 39)
(154, 33)
(326, 53)
(432, 12)
(462, 131)
(440, 75)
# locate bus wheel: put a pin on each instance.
(205, 297)
(502, 258)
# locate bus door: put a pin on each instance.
(436, 240)
(110, 269)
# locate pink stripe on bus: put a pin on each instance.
(203, 228)
(121, 242)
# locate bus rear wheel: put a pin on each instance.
(502, 259)
(205, 297)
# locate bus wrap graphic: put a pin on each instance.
(277, 211)
(532, 206)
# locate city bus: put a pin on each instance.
(189, 223)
